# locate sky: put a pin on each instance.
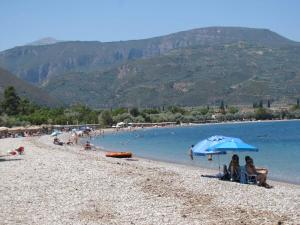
(24, 21)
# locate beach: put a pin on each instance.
(53, 184)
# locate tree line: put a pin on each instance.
(19, 111)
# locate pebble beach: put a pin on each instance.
(53, 184)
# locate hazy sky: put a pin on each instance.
(24, 21)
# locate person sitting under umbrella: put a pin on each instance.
(233, 171)
(261, 174)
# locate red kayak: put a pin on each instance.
(119, 154)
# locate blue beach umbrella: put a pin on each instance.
(203, 147)
(233, 145)
(217, 145)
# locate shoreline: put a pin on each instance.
(111, 131)
(193, 166)
(215, 171)
(67, 185)
(114, 131)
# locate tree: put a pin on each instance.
(232, 110)
(134, 112)
(11, 101)
(269, 104)
(297, 106)
(222, 108)
(263, 114)
(176, 109)
(26, 107)
(118, 111)
(105, 118)
(261, 104)
(204, 111)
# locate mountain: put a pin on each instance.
(206, 74)
(44, 41)
(37, 64)
(24, 89)
(195, 67)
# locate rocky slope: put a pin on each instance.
(238, 73)
(37, 64)
(24, 89)
(195, 67)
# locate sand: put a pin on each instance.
(65, 185)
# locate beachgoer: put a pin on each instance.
(209, 157)
(234, 168)
(69, 142)
(87, 146)
(191, 152)
(56, 141)
(226, 175)
(76, 138)
(261, 174)
(20, 150)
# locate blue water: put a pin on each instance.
(278, 143)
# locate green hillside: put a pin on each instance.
(238, 73)
(37, 64)
(195, 67)
(26, 90)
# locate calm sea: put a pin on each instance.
(278, 143)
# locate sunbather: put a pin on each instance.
(20, 150)
(56, 141)
(69, 142)
(233, 171)
(261, 174)
(87, 146)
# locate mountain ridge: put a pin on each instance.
(199, 75)
(36, 64)
(194, 67)
(44, 41)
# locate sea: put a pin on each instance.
(278, 143)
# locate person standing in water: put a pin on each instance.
(191, 152)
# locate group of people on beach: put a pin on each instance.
(245, 174)
(86, 146)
